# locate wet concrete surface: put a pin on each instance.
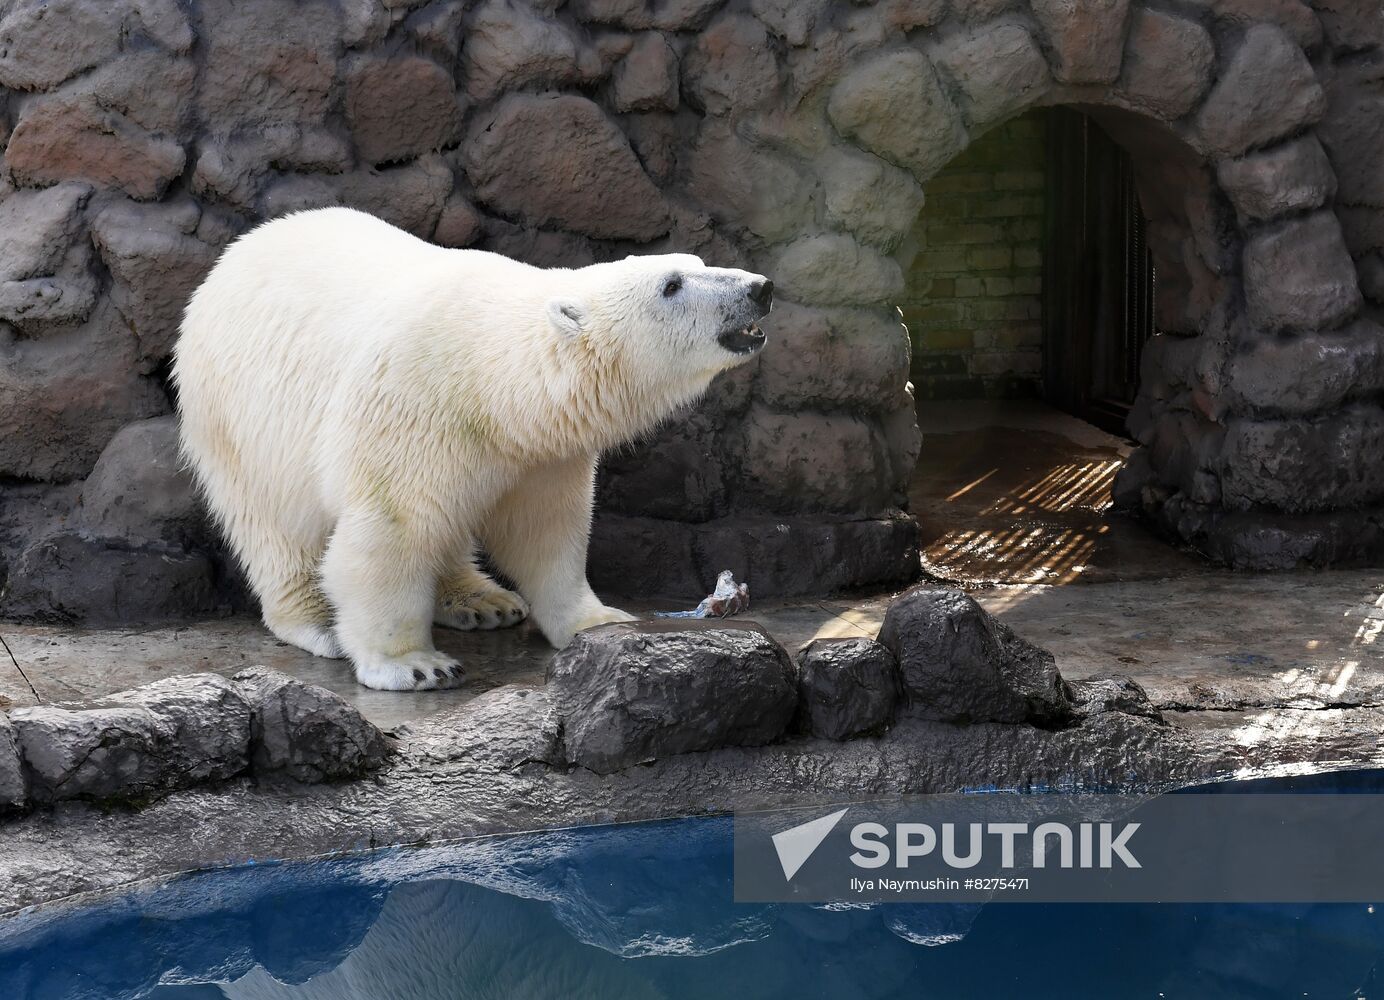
(1017, 492)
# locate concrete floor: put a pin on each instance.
(1013, 503)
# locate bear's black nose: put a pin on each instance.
(762, 294)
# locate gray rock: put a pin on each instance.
(14, 782)
(1267, 91)
(1300, 276)
(958, 664)
(459, 225)
(831, 359)
(400, 107)
(1305, 373)
(139, 490)
(58, 139)
(866, 196)
(410, 196)
(732, 66)
(38, 227)
(305, 732)
(156, 262)
(998, 69)
(894, 105)
(62, 399)
(632, 693)
(508, 46)
(1296, 17)
(1086, 36)
(266, 65)
(174, 733)
(67, 576)
(1330, 461)
(640, 15)
(1113, 693)
(746, 186)
(833, 269)
(44, 42)
(647, 78)
(792, 20)
(1370, 269)
(560, 161)
(807, 461)
(782, 556)
(846, 688)
(1168, 63)
(1288, 178)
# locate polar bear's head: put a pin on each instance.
(669, 317)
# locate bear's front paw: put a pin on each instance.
(421, 670)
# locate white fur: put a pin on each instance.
(363, 410)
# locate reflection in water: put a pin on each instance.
(642, 912)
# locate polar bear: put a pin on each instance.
(364, 411)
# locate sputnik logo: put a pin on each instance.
(796, 844)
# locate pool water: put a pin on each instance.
(645, 911)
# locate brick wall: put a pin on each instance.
(973, 303)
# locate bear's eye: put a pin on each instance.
(672, 287)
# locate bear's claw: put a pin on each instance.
(422, 670)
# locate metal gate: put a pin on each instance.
(1098, 278)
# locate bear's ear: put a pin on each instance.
(568, 316)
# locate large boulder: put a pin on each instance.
(1291, 177)
(833, 269)
(139, 489)
(732, 67)
(1086, 36)
(560, 161)
(1268, 91)
(14, 783)
(846, 688)
(156, 262)
(400, 108)
(511, 46)
(60, 138)
(998, 69)
(877, 202)
(814, 462)
(747, 187)
(1299, 275)
(305, 732)
(68, 576)
(44, 42)
(641, 691)
(1113, 693)
(171, 734)
(1168, 63)
(894, 105)
(958, 664)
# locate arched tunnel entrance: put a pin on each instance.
(1028, 304)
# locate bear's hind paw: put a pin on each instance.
(495, 608)
(422, 670)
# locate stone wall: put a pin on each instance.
(974, 295)
(140, 136)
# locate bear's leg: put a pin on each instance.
(538, 536)
(296, 611)
(382, 582)
(468, 599)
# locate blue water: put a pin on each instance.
(645, 911)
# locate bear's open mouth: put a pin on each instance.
(746, 340)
